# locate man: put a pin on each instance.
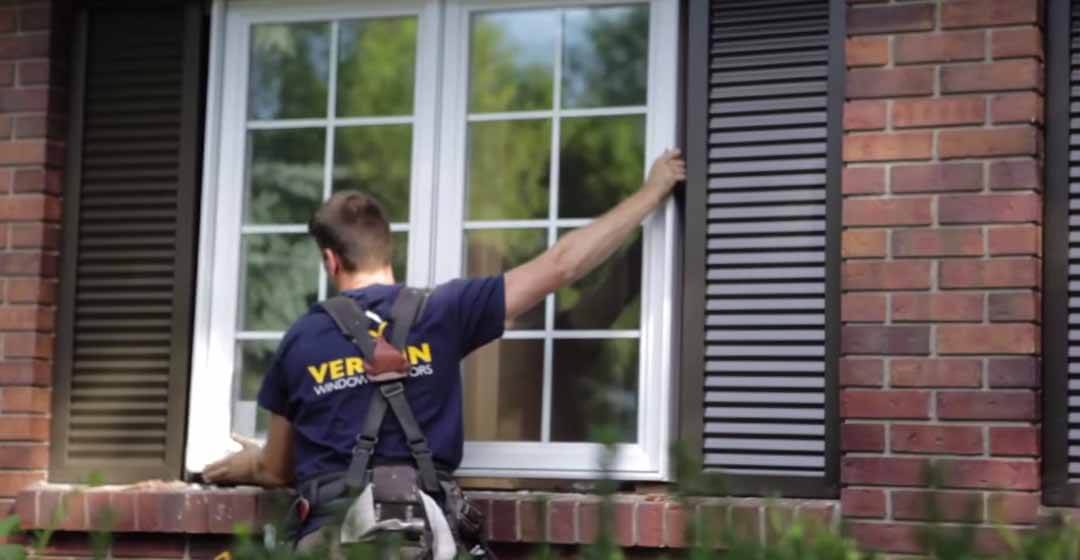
(316, 412)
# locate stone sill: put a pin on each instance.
(654, 521)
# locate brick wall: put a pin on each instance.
(32, 105)
(942, 213)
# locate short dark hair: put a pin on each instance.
(353, 225)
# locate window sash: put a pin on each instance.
(435, 241)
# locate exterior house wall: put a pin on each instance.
(942, 268)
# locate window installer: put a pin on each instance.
(379, 347)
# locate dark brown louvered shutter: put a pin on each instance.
(130, 209)
(1061, 283)
(761, 312)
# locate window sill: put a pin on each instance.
(655, 520)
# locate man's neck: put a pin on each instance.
(363, 279)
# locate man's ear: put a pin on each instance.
(333, 264)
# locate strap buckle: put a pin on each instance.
(391, 389)
(364, 443)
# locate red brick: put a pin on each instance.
(885, 340)
(911, 505)
(864, 115)
(1013, 43)
(863, 308)
(1013, 141)
(588, 522)
(24, 100)
(1013, 372)
(29, 180)
(863, 243)
(33, 72)
(935, 372)
(1015, 240)
(887, 537)
(1023, 306)
(26, 506)
(987, 405)
(1014, 440)
(532, 525)
(562, 521)
(35, 236)
(23, 152)
(12, 482)
(937, 307)
(29, 45)
(24, 399)
(864, 180)
(889, 82)
(30, 207)
(940, 47)
(5, 127)
(937, 177)
(901, 275)
(7, 20)
(992, 77)
(7, 74)
(34, 18)
(862, 502)
(867, 51)
(861, 372)
(887, 212)
(994, 273)
(988, 339)
(197, 513)
(817, 514)
(1020, 174)
(862, 437)
(746, 521)
(990, 474)
(1014, 507)
(149, 546)
(1025, 108)
(865, 403)
(943, 111)
(888, 19)
(61, 510)
(28, 456)
(985, 13)
(623, 525)
(7, 179)
(30, 290)
(35, 373)
(675, 526)
(28, 345)
(887, 146)
(650, 524)
(227, 508)
(122, 508)
(960, 440)
(965, 242)
(24, 428)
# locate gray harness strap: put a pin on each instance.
(351, 319)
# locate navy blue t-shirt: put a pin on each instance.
(316, 380)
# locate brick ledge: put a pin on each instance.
(652, 521)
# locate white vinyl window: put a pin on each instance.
(488, 130)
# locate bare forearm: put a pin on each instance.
(582, 250)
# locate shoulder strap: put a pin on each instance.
(353, 322)
(408, 306)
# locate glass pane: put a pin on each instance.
(489, 252)
(285, 175)
(512, 60)
(400, 259)
(290, 69)
(594, 385)
(253, 359)
(504, 382)
(509, 170)
(601, 162)
(606, 298)
(605, 56)
(281, 279)
(376, 67)
(376, 160)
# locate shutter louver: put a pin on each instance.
(1073, 372)
(769, 269)
(130, 214)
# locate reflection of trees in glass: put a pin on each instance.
(511, 60)
(290, 66)
(504, 405)
(607, 298)
(376, 160)
(509, 170)
(376, 67)
(594, 381)
(605, 56)
(280, 280)
(600, 163)
(285, 175)
(489, 252)
(254, 359)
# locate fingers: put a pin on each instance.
(245, 442)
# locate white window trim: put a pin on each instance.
(435, 241)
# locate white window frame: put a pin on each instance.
(435, 239)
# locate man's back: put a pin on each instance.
(317, 380)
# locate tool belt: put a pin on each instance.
(418, 502)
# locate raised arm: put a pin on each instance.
(582, 250)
